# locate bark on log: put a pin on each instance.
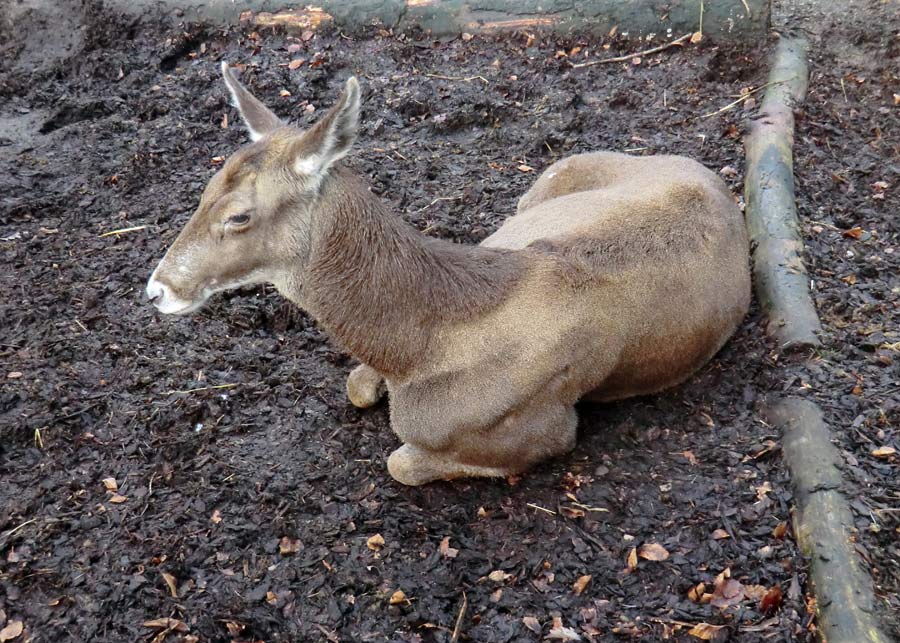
(782, 284)
(823, 526)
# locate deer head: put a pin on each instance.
(253, 222)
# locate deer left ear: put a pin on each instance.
(331, 138)
(259, 119)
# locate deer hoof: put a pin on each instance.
(364, 387)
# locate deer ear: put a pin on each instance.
(259, 119)
(332, 137)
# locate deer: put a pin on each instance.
(618, 276)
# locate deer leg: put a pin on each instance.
(365, 386)
(511, 446)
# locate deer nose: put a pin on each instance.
(156, 291)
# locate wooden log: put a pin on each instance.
(782, 284)
(823, 526)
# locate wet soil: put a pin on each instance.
(251, 501)
(847, 162)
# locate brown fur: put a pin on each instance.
(619, 276)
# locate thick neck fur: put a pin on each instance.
(382, 289)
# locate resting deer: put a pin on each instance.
(618, 276)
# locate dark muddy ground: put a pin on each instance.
(848, 171)
(249, 493)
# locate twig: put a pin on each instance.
(700, 30)
(438, 200)
(15, 529)
(747, 7)
(466, 79)
(459, 619)
(744, 97)
(539, 508)
(646, 52)
(202, 388)
(123, 230)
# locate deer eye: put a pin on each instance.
(239, 219)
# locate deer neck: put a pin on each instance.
(382, 289)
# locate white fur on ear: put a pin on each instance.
(308, 164)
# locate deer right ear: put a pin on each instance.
(259, 119)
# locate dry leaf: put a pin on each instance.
(561, 633)
(499, 576)
(689, 455)
(780, 530)
(171, 584)
(117, 499)
(12, 630)
(110, 484)
(296, 63)
(14, 375)
(216, 517)
(271, 598)
(696, 37)
(763, 489)
(854, 233)
(167, 624)
(579, 586)
(571, 512)
(731, 592)
(375, 542)
(696, 593)
(284, 93)
(532, 624)
(884, 452)
(397, 597)
(525, 168)
(653, 551)
(720, 534)
(771, 601)
(288, 546)
(705, 631)
(446, 550)
(632, 560)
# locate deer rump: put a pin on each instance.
(617, 276)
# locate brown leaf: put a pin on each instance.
(12, 630)
(288, 546)
(284, 93)
(117, 499)
(307, 35)
(763, 489)
(730, 592)
(691, 458)
(271, 598)
(720, 534)
(499, 576)
(705, 631)
(532, 624)
(216, 517)
(696, 37)
(171, 584)
(780, 530)
(110, 484)
(167, 624)
(561, 633)
(397, 597)
(771, 601)
(632, 560)
(696, 592)
(525, 168)
(571, 512)
(653, 551)
(853, 233)
(375, 542)
(446, 550)
(296, 63)
(884, 452)
(579, 586)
